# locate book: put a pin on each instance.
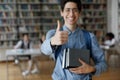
(71, 57)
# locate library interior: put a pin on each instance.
(35, 18)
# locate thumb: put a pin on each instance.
(81, 61)
(58, 25)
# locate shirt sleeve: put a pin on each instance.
(18, 45)
(98, 56)
(46, 47)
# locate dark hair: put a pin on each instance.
(24, 34)
(110, 35)
(78, 2)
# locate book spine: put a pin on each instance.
(63, 60)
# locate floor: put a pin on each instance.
(46, 67)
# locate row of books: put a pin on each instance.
(95, 1)
(13, 30)
(28, 14)
(29, 1)
(94, 6)
(94, 20)
(29, 6)
(7, 7)
(20, 7)
(22, 14)
(10, 44)
(29, 21)
(29, 29)
(13, 1)
(9, 36)
(93, 13)
(94, 26)
(50, 1)
(50, 7)
(13, 36)
(7, 44)
(8, 29)
(50, 13)
(7, 22)
(7, 15)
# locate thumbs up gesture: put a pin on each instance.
(60, 37)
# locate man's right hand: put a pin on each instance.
(60, 37)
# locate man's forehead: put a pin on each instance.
(70, 5)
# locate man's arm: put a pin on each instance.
(18, 45)
(53, 39)
(98, 57)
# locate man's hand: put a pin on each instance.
(84, 69)
(60, 37)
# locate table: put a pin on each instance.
(15, 52)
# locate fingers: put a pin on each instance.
(79, 70)
(58, 25)
(63, 34)
(62, 38)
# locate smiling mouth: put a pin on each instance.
(71, 19)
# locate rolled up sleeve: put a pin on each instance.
(46, 47)
(98, 57)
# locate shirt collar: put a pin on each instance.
(65, 28)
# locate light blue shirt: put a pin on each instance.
(75, 40)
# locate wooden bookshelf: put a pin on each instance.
(94, 17)
(8, 30)
(49, 14)
(18, 17)
(38, 16)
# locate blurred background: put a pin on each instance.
(36, 17)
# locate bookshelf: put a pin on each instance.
(38, 16)
(49, 14)
(94, 17)
(8, 29)
(18, 17)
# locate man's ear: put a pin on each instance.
(61, 13)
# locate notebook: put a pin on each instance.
(71, 57)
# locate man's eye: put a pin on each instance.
(67, 10)
(75, 10)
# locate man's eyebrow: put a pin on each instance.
(71, 8)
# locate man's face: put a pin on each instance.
(70, 13)
(26, 38)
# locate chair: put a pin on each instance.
(113, 56)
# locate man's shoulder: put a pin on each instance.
(51, 32)
(20, 41)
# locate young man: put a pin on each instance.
(25, 43)
(71, 36)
